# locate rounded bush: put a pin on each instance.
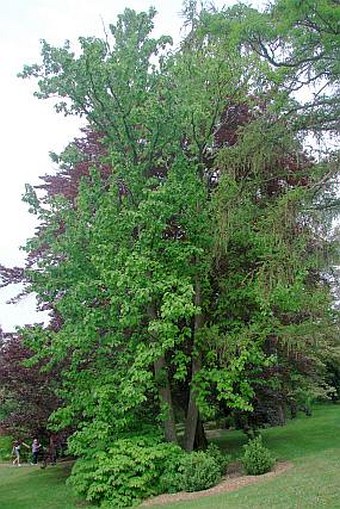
(257, 459)
(223, 460)
(200, 471)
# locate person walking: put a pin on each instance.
(35, 451)
(16, 451)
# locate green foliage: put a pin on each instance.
(5, 447)
(221, 458)
(199, 471)
(257, 459)
(195, 471)
(137, 467)
(299, 40)
(172, 478)
(193, 272)
(128, 471)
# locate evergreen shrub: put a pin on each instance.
(257, 459)
(196, 471)
(222, 460)
(199, 471)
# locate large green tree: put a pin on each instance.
(193, 268)
(156, 219)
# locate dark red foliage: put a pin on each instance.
(13, 275)
(288, 170)
(27, 392)
(89, 152)
(66, 181)
(233, 117)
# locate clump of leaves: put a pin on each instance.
(128, 472)
(200, 471)
(257, 459)
(195, 471)
(222, 460)
(5, 448)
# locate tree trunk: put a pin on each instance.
(194, 431)
(201, 441)
(164, 391)
(281, 415)
(192, 416)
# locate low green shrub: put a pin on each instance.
(222, 460)
(199, 471)
(131, 470)
(257, 459)
(140, 466)
(195, 471)
(172, 478)
(6, 446)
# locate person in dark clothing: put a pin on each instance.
(35, 451)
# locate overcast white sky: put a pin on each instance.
(30, 128)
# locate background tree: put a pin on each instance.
(28, 393)
(300, 41)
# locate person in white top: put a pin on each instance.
(16, 451)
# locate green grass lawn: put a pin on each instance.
(311, 443)
(314, 483)
(30, 487)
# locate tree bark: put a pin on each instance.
(164, 391)
(194, 432)
(201, 441)
(192, 411)
(165, 396)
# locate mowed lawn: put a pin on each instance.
(30, 487)
(312, 444)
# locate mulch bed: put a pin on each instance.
(232, 481)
